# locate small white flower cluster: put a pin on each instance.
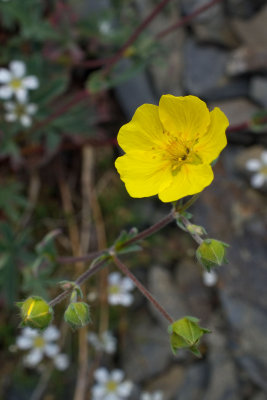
(110, 386)
(105, 342)
(119, 289)
(258, 168)
(41, 344)
(14, 82)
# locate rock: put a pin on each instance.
(232, 212)
(164, 289)
(195, 382)
(258, 90)
(210, 25)
(168, 383)
(247, 59)
(237, 110)
(147, 347)
(243, 8)
(254, 30)
(190, 286)
(205, 73)
(223, 381)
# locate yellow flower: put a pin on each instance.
(169, 148)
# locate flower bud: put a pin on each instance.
(211, 253)
(77, 315)
(196, 229)
(186, 333)
(35, 313)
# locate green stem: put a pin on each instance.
(188, 204)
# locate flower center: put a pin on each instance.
(16, 83)
(179, 152)
(263, 170)
(20, 110)
(111, 386)
(114, 289)
(39, 342)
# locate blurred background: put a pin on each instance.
(72, 73)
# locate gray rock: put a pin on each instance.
(168, 383)
(247, 59)
(195, 382)
(147, 351)
(243, 8)
(163, 287)
(258, 90)
(252, 31)
(237, 110)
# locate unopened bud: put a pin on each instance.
(35, 313)
(77, 315)
(186, 333)
(196, 229)
(211, 253)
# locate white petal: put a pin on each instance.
(146, 396)
(31, 108)
(5, 75)
(17, 68)
(9, 106)
(24, 342)
(125, 388)
(114, 278)
(264, 157)
(51, 349)
(257, 180)
(209, 278)
(112, 396)
(126, 299)
(253, 164)
(33, 358)
(5, 92)
(127, 284)
(31, 82)
(25, 121)
(11, 117)
(51, 334)
(114, 299)
(30, 332)
(98, 392)
(21, 95)
(101, 375)
(61, 362)
(117, 375)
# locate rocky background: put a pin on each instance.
(221, 57)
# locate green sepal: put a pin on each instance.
(77, 315)
(179, 221)
(211, 253)
(35, 312)
(186, 333)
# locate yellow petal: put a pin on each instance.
(185, 117)
(189, 180)
(211, 144)
(143, 131)
(143, 177)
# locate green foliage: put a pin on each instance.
(12, 201)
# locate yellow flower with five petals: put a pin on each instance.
(169, 148)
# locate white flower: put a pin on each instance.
(110, 386)
(118, 290)
(105, 342)
(259, 167)
(39, 344)
(21, 112)
(210, 278)
(158, 395)
(61, 361)
(14, 81)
